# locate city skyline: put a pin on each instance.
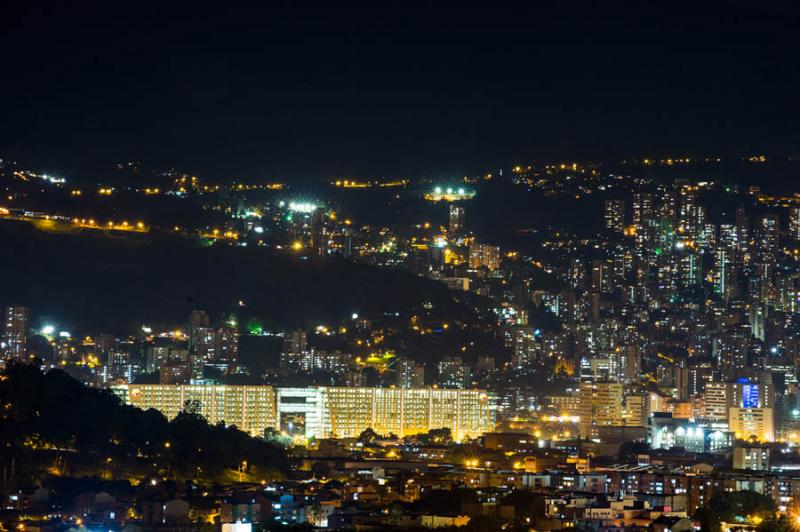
(378, 267)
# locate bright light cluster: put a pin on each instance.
(302, 206)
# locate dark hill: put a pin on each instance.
(117, 282)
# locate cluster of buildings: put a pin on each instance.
(675, 327)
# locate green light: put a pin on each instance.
(658, 251)
(254, 326)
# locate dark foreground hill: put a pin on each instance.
(91, 430)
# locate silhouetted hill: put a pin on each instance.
(115, 283)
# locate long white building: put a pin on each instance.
(323, 412)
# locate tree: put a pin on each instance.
(736, 507)
(192, 407)
(368, 436)
(442, 436)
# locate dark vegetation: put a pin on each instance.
(115, 283)
(51, 424)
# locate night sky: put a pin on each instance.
(387, 89)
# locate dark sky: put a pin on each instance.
(390, 88)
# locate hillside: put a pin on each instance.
(117, 283)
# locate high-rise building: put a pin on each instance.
(742, 229)
(615, 215)
(453, 373)
(642, 209)
(227, 338)
(715, 401)
(204, 350)
(635, 413)
(319, 233)
(161, 354)
(197, 320)
(794, 223)
(525, 350)
(457, 223)
(746, 394)
(15, 332)
(295, 345)
(628, 364)
(409, 373)
(602, 405)
(766, 233)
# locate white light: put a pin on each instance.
(258, 229)
(64, 334)
(438, 190)
(461, 191)
(302, 207)
(48, 329)
(354, 316)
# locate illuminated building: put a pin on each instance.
(15, 332)
(601, 404)
(453, 373)
(227, 339)
(794, 223)
(324, 412)
(746, 394)
(250, 408)
(715, 401)
(730, 350)
(642, 209)
(204, 349)
(409, 373)
(565, 405)
(161, 354)
(615, 215)
(484, 255)
(457, 220)
(173, 373)
(629, 365)
(635, 413)
(755, 458)
(198, 320)
(319, 233)
(449, 194)
(766, 233)
(525, 349)
(459, 284)
(295, 344)
(748, 423)
(667, 432)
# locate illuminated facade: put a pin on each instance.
(484, 255)
(324, 412)
(250, 408)
(15, 331)
(748, 423)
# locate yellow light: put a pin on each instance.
(297, 245)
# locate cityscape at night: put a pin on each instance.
(399, 268)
